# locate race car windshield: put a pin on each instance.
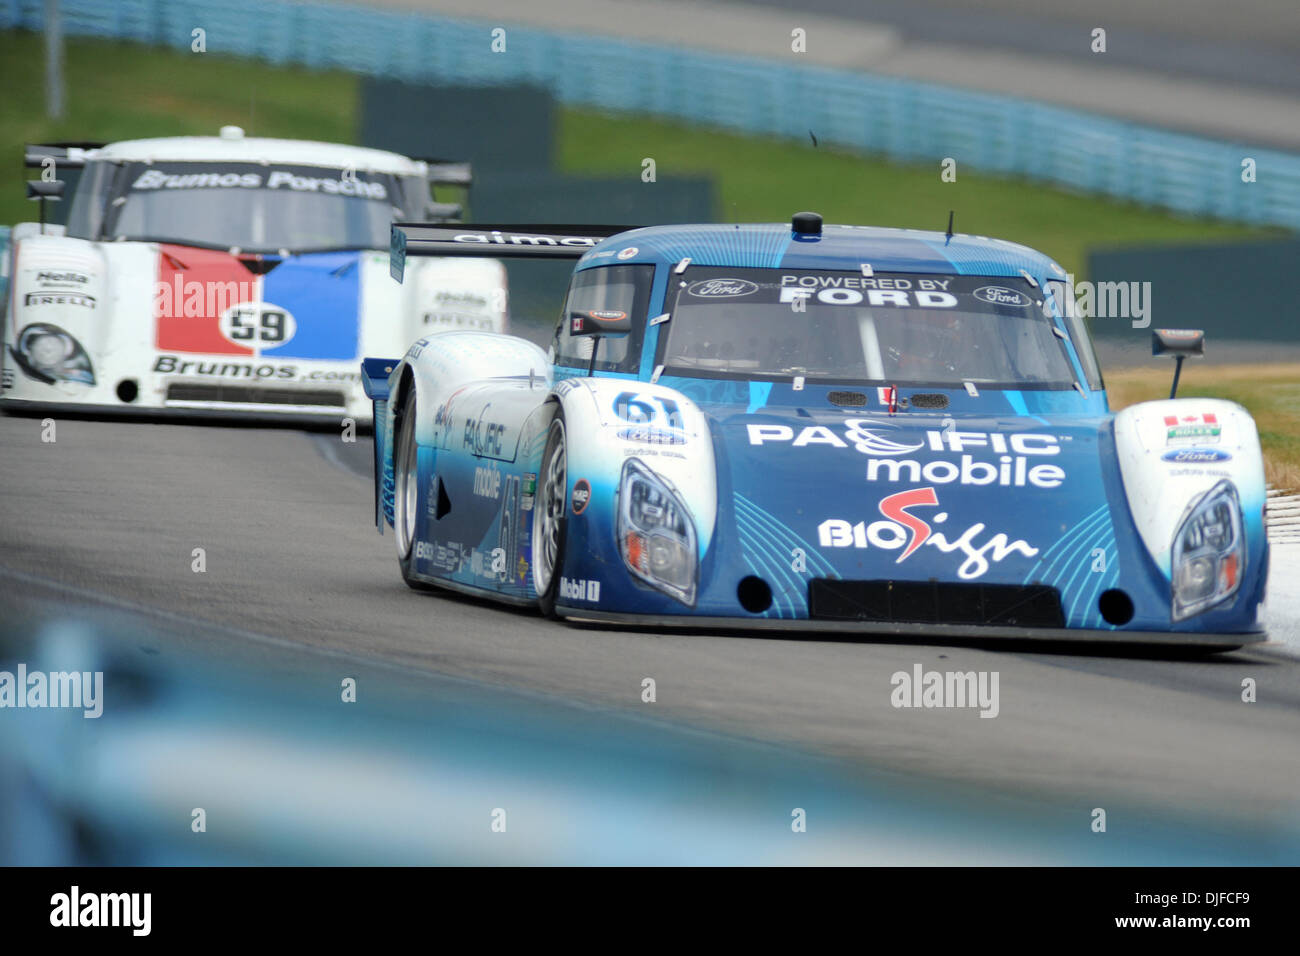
(888, 328)
(622, 288)
(252, 207)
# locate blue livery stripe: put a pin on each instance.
(322, 291)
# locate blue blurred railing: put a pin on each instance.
(901, 119)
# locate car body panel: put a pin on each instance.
(992, 492)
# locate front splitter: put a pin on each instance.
(920, 633)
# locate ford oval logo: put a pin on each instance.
(997, 295)
(721, 288)
(1195, 456)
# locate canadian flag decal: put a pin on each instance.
(1209, 418)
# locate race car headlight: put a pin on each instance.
(1209, 552)
(655, 533)
(49, 354)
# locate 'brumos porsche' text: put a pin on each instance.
(1013, 460)
(340, 185)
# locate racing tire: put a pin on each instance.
(406, 491)
(550, 516)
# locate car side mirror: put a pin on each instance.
(598, 324)
(601, 322)
(1179, 343)
(444, 211)
(46, 191)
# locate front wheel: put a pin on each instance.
(406, 490)
(550, 519)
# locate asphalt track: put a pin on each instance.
(112, 511)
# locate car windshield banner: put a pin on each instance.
(156, 177)
(886, 328)
(253, 207)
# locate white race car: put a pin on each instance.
(227, 275)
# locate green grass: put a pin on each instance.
(125, 91)
(1271, 391)
(766, 180)
(120, 91)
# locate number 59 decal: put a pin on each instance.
(257, 325)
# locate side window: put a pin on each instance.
(415, 197)
(87, 209)
(625, 288)
(1064, 298)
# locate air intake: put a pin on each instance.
(848, 399)
(934, 602)
(253, 395)
(929, 400)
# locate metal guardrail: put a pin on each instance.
(901, 119)
(1282, 515)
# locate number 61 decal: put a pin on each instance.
(648, 410)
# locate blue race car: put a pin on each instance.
(796, 426)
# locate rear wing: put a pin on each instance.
(493, 241)
(443, 173)
(449, 174)
(67, 155)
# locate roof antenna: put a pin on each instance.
(949, 238)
